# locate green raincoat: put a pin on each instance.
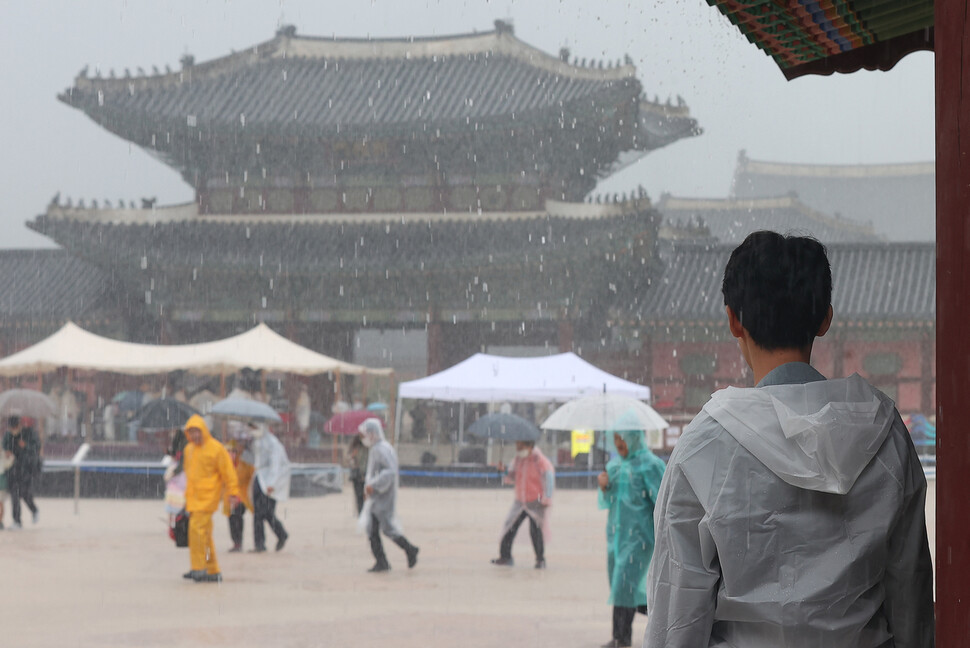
(630, 498)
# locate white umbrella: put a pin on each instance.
(27, 402)
(601, 412)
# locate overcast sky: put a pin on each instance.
(680, 47)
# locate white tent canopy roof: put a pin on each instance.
(486, 378)
(259, 348)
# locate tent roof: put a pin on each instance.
(486, 378)
(258, 348)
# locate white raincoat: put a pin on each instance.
(791, 514)
(382, 474)
(271, 465)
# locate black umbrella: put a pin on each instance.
(504, 427)
(163, 414)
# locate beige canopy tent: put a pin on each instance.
(260, 348)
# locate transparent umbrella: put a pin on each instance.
(246, 409)
(601, 411)
(26, 402)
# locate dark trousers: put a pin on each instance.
(236, 524)
(623, 623)
(359, 493)
(264, 510)
(505, 549)
(20, 488)
(377, 548)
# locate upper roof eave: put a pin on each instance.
(287, 44)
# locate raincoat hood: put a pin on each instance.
(626, 427)
(808, 434)
(196, 421)
(371, 432)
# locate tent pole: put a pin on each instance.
(333, 446)
(397, 420)
(461, 423)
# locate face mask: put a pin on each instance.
(256, 432)
(367, 441)
(522, 454)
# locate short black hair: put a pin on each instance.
(780, 288)
(13, 421)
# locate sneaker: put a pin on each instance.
(16, 526)
(257, 550)
(193, 574)
(412, 557)
(281, 541)
(209, 578)
(36, 516)
(541, 563)
(1, 526)
(615, 643)
(503, 562)
(380, 568)
(236, 548)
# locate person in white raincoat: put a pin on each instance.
(380, 488)
(270, 484)
(792, 513)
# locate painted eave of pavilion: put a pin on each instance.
(831, 36)
(899, 199)
(333, 87)
(569, 258)
(730, 220)
(889, 286)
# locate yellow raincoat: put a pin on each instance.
(208, 470)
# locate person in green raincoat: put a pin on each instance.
(628, 489)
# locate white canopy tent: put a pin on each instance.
(486, 378)
(260, 348)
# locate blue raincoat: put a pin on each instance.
(630, 498)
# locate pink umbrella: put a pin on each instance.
(346, 423)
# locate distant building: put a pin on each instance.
(898, 200)
(884, 325)
(344, 185)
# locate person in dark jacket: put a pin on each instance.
(25, 446)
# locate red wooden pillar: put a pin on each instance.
(953, 314)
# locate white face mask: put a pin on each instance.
(522, 454)
(366, 440)
(256, 432)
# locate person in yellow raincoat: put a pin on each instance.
(209, 473)
(242, 461)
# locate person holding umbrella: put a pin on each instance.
(534, 478)
(628, 489)
(23, 444)
(380, 487)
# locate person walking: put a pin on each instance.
(534, 479)
(379, 514)
(6, 461)
(357, 463)
(628, 490)
(23, 444)
(792, 512)
(242, 461)
(270, 484)
(208, 472)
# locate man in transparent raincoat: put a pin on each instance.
(628, 489)
(792, 513)
(380, 488)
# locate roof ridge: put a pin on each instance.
(286, 43)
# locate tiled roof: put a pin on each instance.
(731, 220)
(299, 84)
(899, 200)
(872, 282)
(50, 286)
(825, 36)
(545, 262)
